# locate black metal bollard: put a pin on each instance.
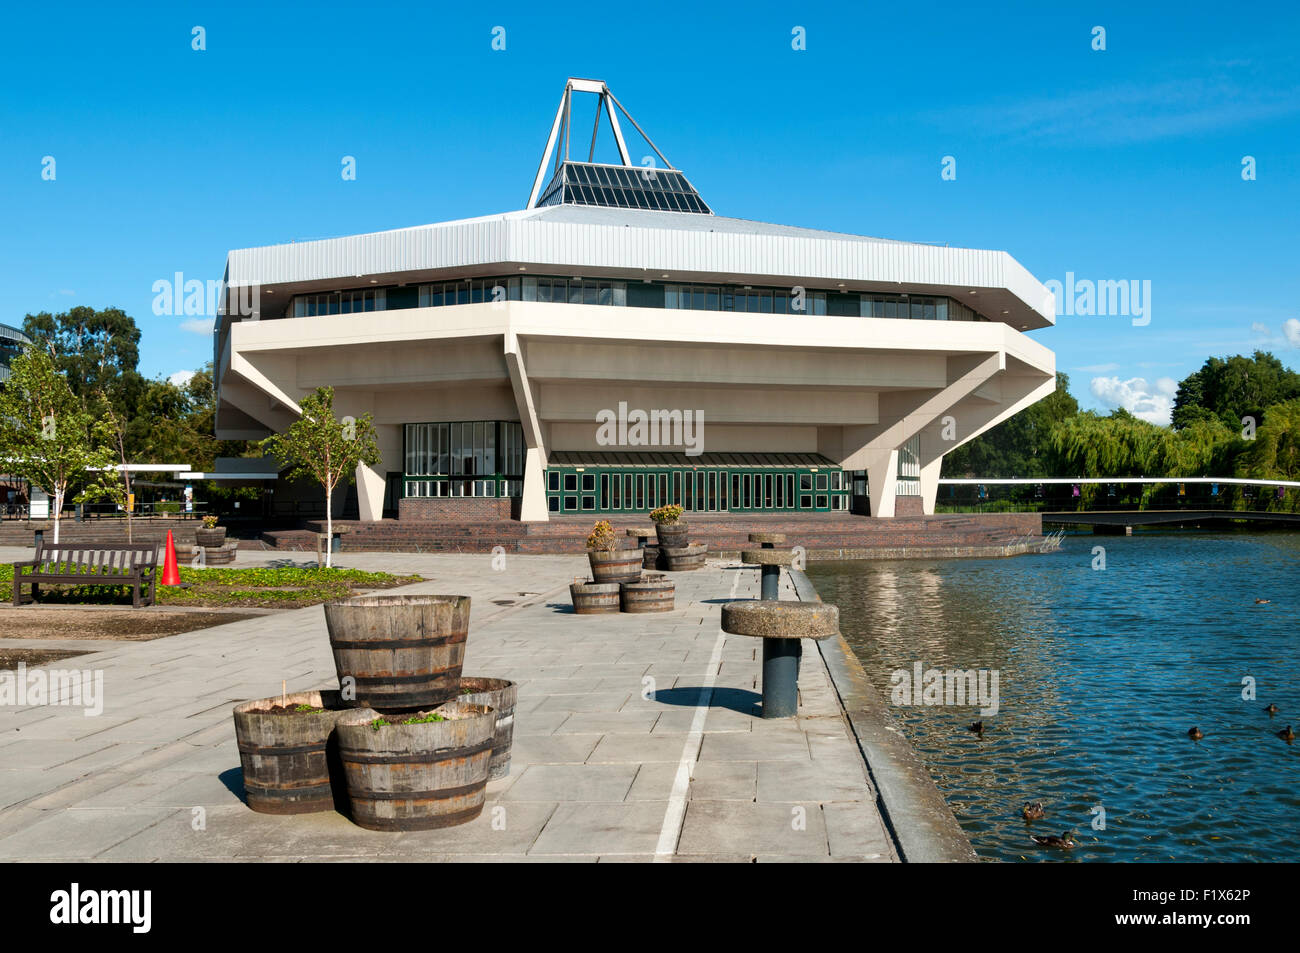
(781, 677)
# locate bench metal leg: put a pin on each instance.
(781, 677)
(771, 583)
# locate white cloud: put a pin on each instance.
(1261, 329)
(1291, 329)
(180, 378)
(198, 325)
(1098, 368)
(1137, 397)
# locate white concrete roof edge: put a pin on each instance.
(513, 317)
(647, 242)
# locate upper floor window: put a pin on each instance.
(340, 302)
(751, 300)
(524, 288)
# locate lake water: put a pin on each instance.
(1101, 673)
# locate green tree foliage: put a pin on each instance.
(97, 352)
(1274, 454)
(46, 434)
(1019, 447)
(324, 448)
(1089, 445)
(1229, 389)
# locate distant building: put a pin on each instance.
(12, 342)
(510, 362)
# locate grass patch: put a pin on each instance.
(258, 587)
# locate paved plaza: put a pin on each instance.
(636, 738)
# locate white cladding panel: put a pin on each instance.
(531, 239)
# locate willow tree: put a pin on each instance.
(327, 449)
(1274, 454)
(47, 437)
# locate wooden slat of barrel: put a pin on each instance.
(650, 557)
(620, 565)
(287, 758)
(594, 598)
(500, 695)
(653, 593)
(672, 535)
(417, 777)
(402, 651)
(685, 559)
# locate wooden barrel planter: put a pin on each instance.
(652, 593)
(210, 538)
(672, 535)
(619, 565)
(416, 777)
(650, 557)
(500, 695)
(594, 598)
(402, 651)
(686, 558)
(287, 754)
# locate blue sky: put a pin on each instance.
(1122, 164)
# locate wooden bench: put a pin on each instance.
(91, 564)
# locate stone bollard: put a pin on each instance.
(771, 560)
(782, 626)
(642, 535)
(767, 540)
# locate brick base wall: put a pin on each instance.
(907, 506)
(450, 509)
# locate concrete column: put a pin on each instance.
(370, 492)
(371, 481)
(533, 505)
(930, 484)
(882, 479)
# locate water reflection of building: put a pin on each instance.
(12, 342)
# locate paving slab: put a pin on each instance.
(637, 738)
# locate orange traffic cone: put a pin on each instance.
(171, 575)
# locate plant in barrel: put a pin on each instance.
(327, 449)
(669, 526)
(46, 435)
(611, 557)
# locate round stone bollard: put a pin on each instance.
(768, 540)
(781, 626)
(642, 535)
(771, 560)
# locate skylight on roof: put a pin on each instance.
(621, 185)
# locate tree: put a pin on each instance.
(1234, 387)
(98, 351)
(1274, 454)
(46, 435)
(320, 446)
(114, 484)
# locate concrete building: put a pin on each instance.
(616, 345)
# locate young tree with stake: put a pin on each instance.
(326, 449)
(46, 436)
